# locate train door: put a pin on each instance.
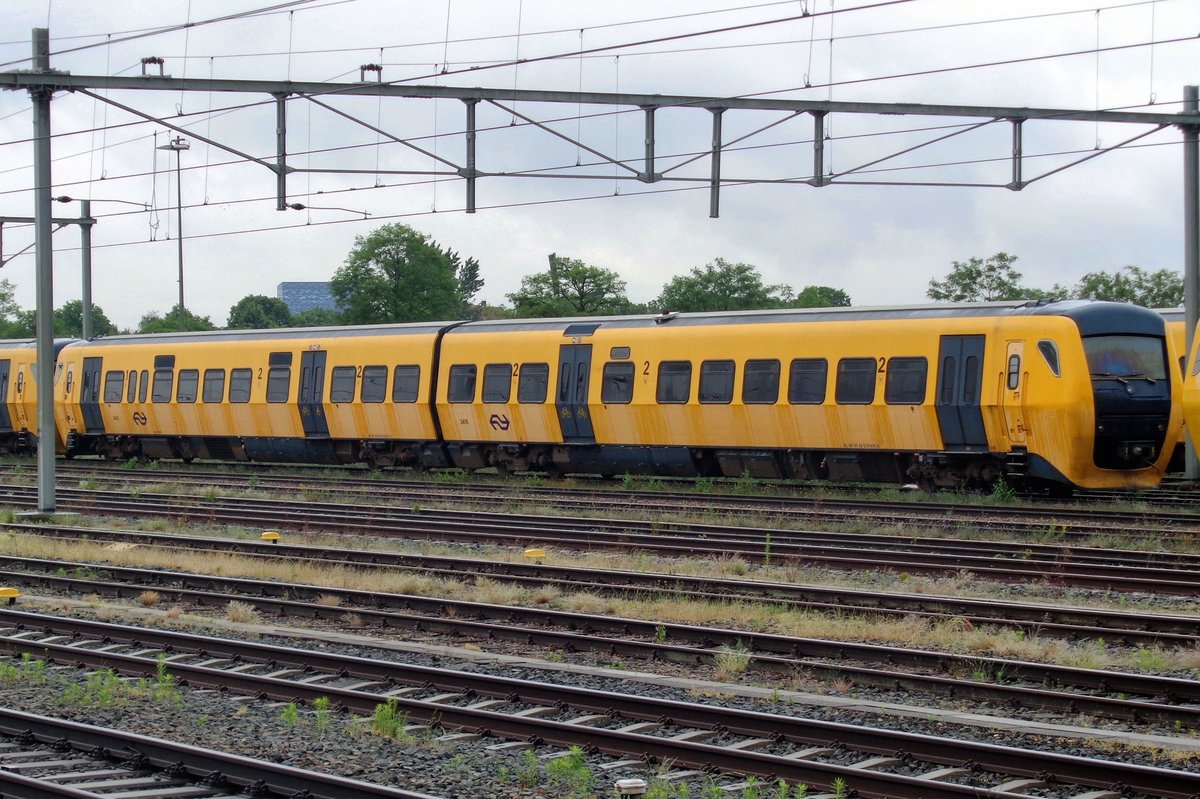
(19, 398)
(574, 366)
(1012, 392)
(960, 381)
(312, 385)
(5, 417)
(89, 396)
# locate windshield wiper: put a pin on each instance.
(1126, 378)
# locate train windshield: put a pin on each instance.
(1125, 357)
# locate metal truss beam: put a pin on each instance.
(66, 82)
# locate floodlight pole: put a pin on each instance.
(178, 144)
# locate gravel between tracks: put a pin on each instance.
(466, 768)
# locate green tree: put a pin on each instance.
(978, 280)
(258, 311)
(68, 320)
(23, 324)
(396, 274)
(1161, 289)
(722, 286)
(154, 322)
(570, 288)
(466, 274)
(822, 297)
(14, 323)
(316, 317)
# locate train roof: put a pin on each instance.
(1092, 317)
(273, 334)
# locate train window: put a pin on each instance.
(497, 382)
(341, 387)
(462, 382)
(114, 386)
(189, 382)
(164, 361)
(533, 383)
(716, 382)
(143, 385)
(760, 383)
(131, 390)
(674, 382)
(1014, 372)
(214, 385)
(240, 381)
(970, 379)
(949, 364)
(279, 381)
(163, 380)
(1049, 351)
(807, 378)
(374, 384)
(616, 387)
(906, 378)
(618, 353)
(279, 359)
(855, 381)
(405, 381)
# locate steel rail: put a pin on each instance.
(278, 779)
(507, 530)
(752, 724)
(1035, 619)
(725, 533)
(791, 505)
(938, 547)
(571, 632)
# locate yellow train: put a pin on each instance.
(1062, 394)
(18, 396)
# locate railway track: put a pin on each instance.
(1001, 682)
(1102, 569)
(1075, 623)
(1064, 522)
(46, 757)
(873, 762)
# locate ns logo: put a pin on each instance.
(499, 421)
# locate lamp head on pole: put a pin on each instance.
(177, 144)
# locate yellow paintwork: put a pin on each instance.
(472, 422)
(1053, 416)
(20, 394)
(1191, 393)
(356, 420)
(1177, 333)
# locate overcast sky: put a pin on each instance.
(881, 244)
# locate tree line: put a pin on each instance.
(996, 279)
(397, 274)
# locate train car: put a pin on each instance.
(1177, 331)
(18, 397)
(319, 395)
(1064, 394)
(1057, 394)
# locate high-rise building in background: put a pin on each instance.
(304, 296)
